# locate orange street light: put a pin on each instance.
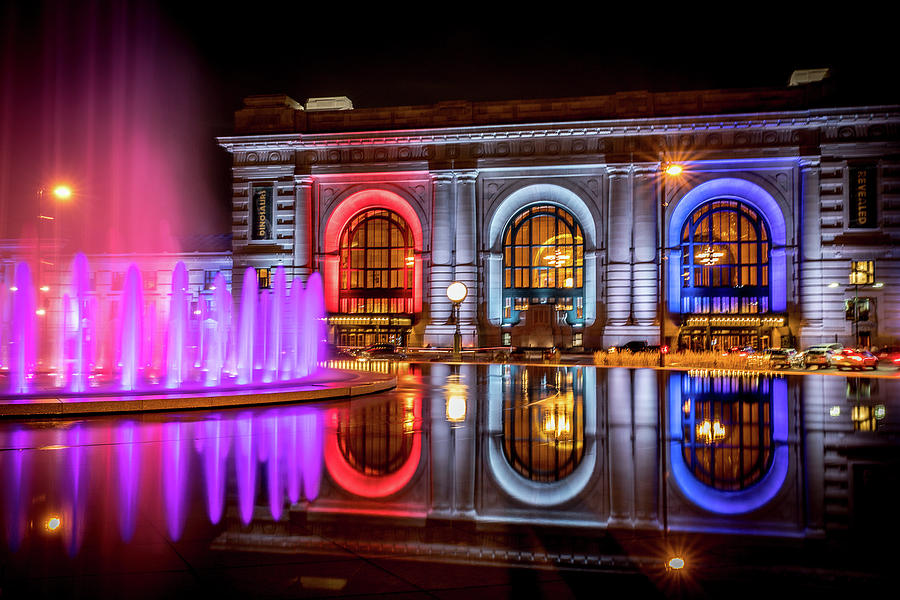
(673, 170)
(62, 191)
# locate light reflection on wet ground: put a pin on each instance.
(465, 480)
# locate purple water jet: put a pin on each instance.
(22, 347)
(176, 362)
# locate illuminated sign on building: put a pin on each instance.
(863, 198)
(262, 213)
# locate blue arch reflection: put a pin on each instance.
(730, 502)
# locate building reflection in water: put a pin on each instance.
(566, 446)
(543, 424)
(373, 447)
(728, 439)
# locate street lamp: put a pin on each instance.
(60, 192)
(457, 292)
(669, 170)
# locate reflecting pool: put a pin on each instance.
(467, 480)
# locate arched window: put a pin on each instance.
(377, 269)
(543, 423)
(727, 429)
(725, 248)
(543, 262)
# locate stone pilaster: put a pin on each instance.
(618, 270)
(441, 247)
(303, 189)
(645, 273)
(466, 268)
(811, 276)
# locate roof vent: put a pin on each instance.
(330, 103)
(804, 76)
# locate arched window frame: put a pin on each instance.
(747, 269)
(524, 282)
(366, 282)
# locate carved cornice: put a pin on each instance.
(572, 140)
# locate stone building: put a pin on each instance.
(567, 224)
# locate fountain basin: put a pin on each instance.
(324, 385)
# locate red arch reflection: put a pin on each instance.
(371, 486)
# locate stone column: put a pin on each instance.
(466, 240)
(302, 204)
(811, 282)
(441, 247)
(621, 457)
(618, 270)
(644, 272)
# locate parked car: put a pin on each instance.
(742, 351)
(855, 360)
(817, 357)
(337, 353)
(779, 358)
(381, 351)
(633, 346)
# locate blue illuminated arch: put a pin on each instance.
(730, 502)
(730, 188)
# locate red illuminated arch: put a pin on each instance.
(371, 486)
(337, 222)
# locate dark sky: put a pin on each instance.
(125, 98)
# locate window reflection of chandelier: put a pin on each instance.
(710, 432)
(709, 257)
(557, 259)
(557, 425)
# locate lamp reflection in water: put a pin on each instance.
(52, 523)
(455, 392)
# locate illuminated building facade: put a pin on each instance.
(561, 219)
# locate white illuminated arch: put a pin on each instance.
(516, 202)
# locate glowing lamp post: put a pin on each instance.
(670, 170)
(60, 193)
(457, 292)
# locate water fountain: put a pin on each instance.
(278, 338)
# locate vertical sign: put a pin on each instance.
(863, 198)
(262, 213)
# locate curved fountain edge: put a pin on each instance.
(351, 383)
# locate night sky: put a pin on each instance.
(84, 82)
